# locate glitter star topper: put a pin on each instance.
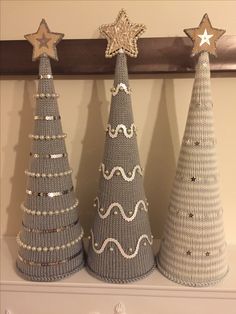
(44, 41)
(122, 35)
(204, 36)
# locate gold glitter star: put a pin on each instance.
(122, 35)
(44, 41)
(204, 36)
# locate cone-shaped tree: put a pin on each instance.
(120, 248)
(49, 243)
(193, 249)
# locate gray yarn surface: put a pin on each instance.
(120, 151)
(68, 221)
(193, 249)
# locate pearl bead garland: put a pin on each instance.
(51, 248)
(47, 175)
(45, 213)
(47, 95)
(47, 137)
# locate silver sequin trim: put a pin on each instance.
(50, 194)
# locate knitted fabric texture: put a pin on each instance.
(120, 249)
(193, 249)
(49, 243)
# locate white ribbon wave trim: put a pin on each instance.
(122, 87)
(112, 205)
(122, 172)
(117, 243)
(114, 132)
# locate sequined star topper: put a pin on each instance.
(44, 41)
(122, 35)
(204, 36)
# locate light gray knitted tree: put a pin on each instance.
(120, 248)
(193, 249)
(49, 243)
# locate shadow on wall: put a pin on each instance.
(161, 162)
(91, 156)
(21, 150)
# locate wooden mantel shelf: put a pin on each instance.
(83, 294)
(86, 57)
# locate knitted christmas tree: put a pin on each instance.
(193, 249)
(49, 243)
(120, 248)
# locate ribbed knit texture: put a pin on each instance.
(120, 249)
(193, 249)
(61, 249)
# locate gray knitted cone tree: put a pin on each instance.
(49, 242)
(193, 249)
(120, 248)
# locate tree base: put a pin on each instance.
(117, 280)
(189, 283)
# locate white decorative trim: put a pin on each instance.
(119, 308)
(120, 87)
(117, 243)
(120, 171)
(45, 248)
(128, 133)
(47, 137)
(50, 212)
(111, 206)
(47, 175)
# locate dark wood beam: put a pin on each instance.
(86, 57)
